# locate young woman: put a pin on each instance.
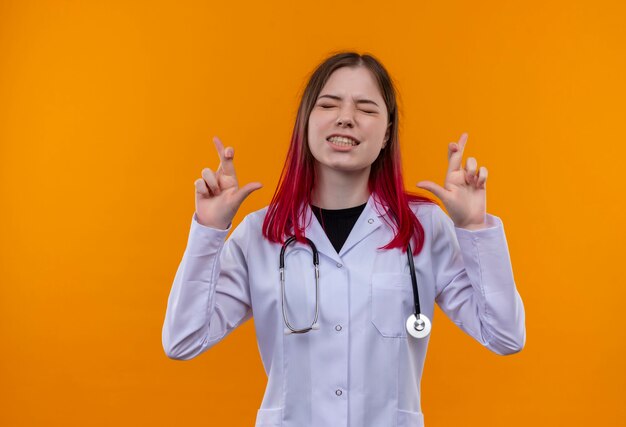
(342, 310)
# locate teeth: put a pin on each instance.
(340, 140)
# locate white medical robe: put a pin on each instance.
(360, 368)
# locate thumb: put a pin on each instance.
(246, 190)
(432, 187)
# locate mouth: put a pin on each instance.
(342, 141)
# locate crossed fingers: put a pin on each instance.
(455, 156)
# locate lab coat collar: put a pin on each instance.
(368, 222)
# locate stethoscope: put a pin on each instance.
(418, 324)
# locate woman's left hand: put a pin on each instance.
(464, 192)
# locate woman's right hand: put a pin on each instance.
(218, 195)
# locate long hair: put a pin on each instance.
(285, 215)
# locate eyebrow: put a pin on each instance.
(358, 101)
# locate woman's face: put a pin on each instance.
(348, 125)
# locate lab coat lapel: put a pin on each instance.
(315, 232)
(368, 222)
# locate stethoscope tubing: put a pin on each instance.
(316, 263)
(418, 324)
(416, 299)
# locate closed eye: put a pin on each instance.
(332, 106)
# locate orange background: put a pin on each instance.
(107, 110)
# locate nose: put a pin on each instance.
(346, 123)
(344, 118)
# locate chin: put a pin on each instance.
(343, 167)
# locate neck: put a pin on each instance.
(339, 190)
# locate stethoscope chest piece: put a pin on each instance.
(418, 328)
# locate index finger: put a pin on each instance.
(226, 158)
(454, 161)
(219, 146)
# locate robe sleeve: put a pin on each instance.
(210, 295)
(474, 283)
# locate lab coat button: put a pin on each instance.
(338, 392)
(339, 265)
(338, 328)
(371, 221)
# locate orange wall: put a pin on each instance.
(106, 116)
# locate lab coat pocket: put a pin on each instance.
(410, 419)
(392, 299)
(269, 417)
